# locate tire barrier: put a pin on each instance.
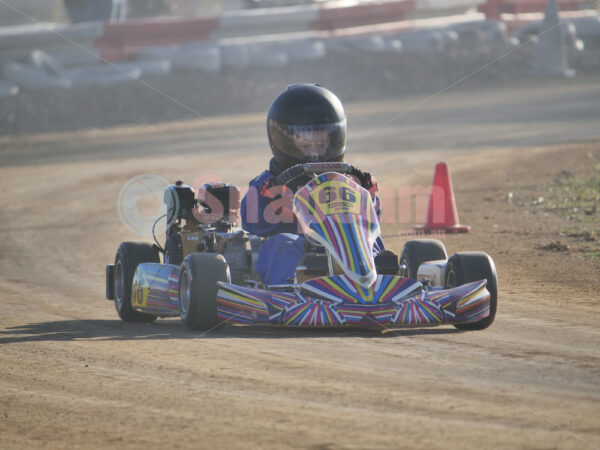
(394, 45)
(567, 30)
(437, 8)
(304, 50)
(29, 77)
(235, 56)
(8, 89)
(406, 56)
(41, 72)
(121, 40)
(45, 72)
(496, 31)
(76, 57)
(257, 52)
(495, 9)
(362, 76)
(375, 44)
(43, 62)
(151, 67)
(266, 21)
(588, 30)
(423, 42)
(18, 41)
(103, 75)
(205, 57)
(270, 54)
(267, 58)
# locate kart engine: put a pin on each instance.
(207, 224)
(180, 201)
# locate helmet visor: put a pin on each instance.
(319, 142)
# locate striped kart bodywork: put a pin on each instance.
(339, 214)
(338, 300)
(155, 289)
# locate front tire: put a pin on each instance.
(129, 256)
(466, 267)
(198, 289)
(417, 251)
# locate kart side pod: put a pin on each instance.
(154, 289)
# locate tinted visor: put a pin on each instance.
(320, 142)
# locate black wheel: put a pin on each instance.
(129, 256)
(416, 252)
(198, 289)
(466, 267)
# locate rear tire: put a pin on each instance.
(416, 252)
(466, 267)
(129, 256)
(198, 289)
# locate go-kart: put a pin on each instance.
(208, 278)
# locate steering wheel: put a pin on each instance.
(312, 169)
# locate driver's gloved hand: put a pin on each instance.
(299, 182)
(366, 180)
(270, 189)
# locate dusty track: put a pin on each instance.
(72, 375)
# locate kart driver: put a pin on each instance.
(306, 123)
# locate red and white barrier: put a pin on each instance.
(334, 18)
(516, 21)
(438, 8)
(494, 9)
(265, 38)
(518, 13)
(121, 40)
(257, 22)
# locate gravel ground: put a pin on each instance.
(72, 375)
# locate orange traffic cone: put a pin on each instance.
(441, 212)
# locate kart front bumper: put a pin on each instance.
(336, 301)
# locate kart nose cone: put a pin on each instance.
(368, 279)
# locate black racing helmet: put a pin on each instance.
(306, 123)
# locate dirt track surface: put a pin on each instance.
(73, 375)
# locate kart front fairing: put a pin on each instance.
(338, 214)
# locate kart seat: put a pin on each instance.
(387, 263)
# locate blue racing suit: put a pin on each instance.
(265, 216)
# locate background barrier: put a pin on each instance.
(122, 40)
(493, 9)
(18, 41)
(405, 44)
